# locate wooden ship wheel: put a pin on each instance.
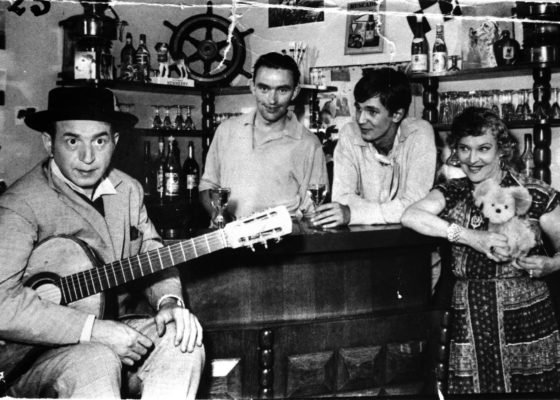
(202, 40)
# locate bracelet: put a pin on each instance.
(454, 232)
(179, 301)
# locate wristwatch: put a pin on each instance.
(454, 232)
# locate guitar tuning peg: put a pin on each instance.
(278, 239)
(252, 248)
(264, 243)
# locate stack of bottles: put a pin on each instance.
(171, 191)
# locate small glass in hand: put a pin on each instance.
(318, 194)
(219, 197)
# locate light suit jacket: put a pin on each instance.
(39, 206)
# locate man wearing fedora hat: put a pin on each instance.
(76, 193)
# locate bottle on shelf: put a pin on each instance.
(419, 48)
(148, 172)
(191, 173)
(172, 173)
(160, 170)
(142, 60)
(127, 59)
(506, 50)
(527, 161)
(439, 51)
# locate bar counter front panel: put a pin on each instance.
(344, 311)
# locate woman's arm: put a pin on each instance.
(422, 216)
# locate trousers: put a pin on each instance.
(93, 370)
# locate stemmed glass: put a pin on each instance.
(189, 123)
(219, 197)
(167, 124)
(555, 111)
(317, 193)
(179, 122)
(157, 123)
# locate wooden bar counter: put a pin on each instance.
(343, 311)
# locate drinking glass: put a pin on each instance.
(317, 193)
(555, 112)
(189, 123)
(220, 197)
(167, 124)
(178, 122)
(157, 123)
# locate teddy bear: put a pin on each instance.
(505, 208)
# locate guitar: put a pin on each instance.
(83, 290)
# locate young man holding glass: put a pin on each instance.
(266, 158)
(384, 161)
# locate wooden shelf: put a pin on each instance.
(511, 125)
(482, 73)
(319, 89)
(156, 88)
(167, 132)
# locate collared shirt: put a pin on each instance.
(264, 170)
(104, 187)
(378, 188)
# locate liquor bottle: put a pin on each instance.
(160, 169)
(148, 172)
(142, 60)
(172, 173)
(527, 162)
(419, 48)
(191, 173)
(370, 32)
(127, 59)
(506, 50)
(439, 51)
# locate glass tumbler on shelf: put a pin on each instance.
(157, 122)
(454, 67)
(555, 111)
(219, 198)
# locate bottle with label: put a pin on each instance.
(527, 162)
(127, 59)
(419, 48)
(160, 169)
(172, 173)
(191, 173)
(439, 51)
(142, 60)
(370, 32)
(148, 172)
(506, 49)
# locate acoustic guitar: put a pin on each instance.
(57, 259)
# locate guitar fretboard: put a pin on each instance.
(87, 283)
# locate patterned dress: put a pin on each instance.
(504, 335)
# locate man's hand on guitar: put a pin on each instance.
(128, 343)
(188, 329)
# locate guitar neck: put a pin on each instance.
(87, 283)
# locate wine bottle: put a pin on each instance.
(191, 172)
(439, 51)
(419, 48)
(527, 161)
(148, 172)
(160, 169)
(172, 173)
(142, 60)
(127, 59)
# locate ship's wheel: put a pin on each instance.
(203, 41)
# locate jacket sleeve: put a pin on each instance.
(25, 316)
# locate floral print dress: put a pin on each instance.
(504, 334)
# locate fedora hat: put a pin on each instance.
(80, 103)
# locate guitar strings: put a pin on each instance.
(211, 241)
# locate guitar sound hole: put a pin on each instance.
(50, 292)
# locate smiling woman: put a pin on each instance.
(494, 291)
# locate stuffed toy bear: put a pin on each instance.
(505, 207)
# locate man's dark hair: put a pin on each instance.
(277, 61)
(392, 87)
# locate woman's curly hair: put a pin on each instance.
(477, 121)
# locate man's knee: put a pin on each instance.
(92, 359)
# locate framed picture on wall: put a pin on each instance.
(294, 12)
(364, 27)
